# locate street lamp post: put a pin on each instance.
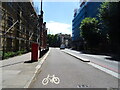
(41, 27)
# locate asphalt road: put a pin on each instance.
(72, 73)
(98, 59)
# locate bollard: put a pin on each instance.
(34, 54)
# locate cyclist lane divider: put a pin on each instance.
(78, 57)
(38, 69)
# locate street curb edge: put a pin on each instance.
(76, 57)
(38, 67)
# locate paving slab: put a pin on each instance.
(15, 73)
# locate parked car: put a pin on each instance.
(62, 46)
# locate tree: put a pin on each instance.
(89, 30)
(52, 40)
(110, 17)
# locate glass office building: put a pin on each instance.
(86, 9)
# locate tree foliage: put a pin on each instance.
(52, 40)
(106, 30)
(109, 15)
(89, 30)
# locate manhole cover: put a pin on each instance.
(82, 86)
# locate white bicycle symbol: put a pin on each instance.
(52, 79)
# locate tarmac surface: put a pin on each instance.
(72, 72)
(15, 73)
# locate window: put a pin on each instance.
(10, 21)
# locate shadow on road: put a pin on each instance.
(113, 57)
(30, 61)
(12, 64)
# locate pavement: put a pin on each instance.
(18, 74)
(70, 52)
(19, 71)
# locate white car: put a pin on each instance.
(62, 46)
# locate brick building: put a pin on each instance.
(43, 31)
(18, 27)
(44, 36)
(64, 39)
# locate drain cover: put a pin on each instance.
(82, 86)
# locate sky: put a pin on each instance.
(58, 16)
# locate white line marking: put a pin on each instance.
(105, 70)
(52, 79)
(38, 66)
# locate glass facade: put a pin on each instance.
(88, 9)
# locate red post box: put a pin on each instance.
(34, 54)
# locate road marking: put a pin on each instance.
(105, 70)
(83, 86)
(52, 79)
(37, 69)
(43, 59)
(38, 66)
(106, 66)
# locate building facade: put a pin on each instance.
(44, 37)
(86, 9)
(18, 27)
(43, 31)
(64, 39)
